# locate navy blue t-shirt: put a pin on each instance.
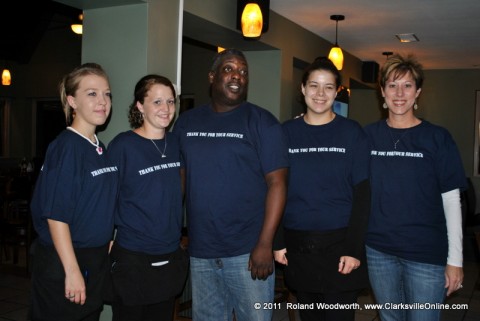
(76, 186)
(407, 218)
(326, 162)
(148, 214)
(227, 156)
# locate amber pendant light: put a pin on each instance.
(6, 77)
(252, 21)
(77, 27)
(336, 54)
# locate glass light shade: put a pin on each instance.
(336, 56)
(252, 21)
(77, 28)
(6, 77)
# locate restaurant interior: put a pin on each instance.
(132, 38)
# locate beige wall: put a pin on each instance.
(131, 41)
(448, 99)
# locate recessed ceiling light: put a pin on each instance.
(407, 37)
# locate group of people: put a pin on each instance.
(341, 206)
(377, 206)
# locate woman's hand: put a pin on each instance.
(75, 289)
(347, 264)
(280, 256)
(453, 278)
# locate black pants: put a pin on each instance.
(47, 299)
(331, 312)
(162, 311)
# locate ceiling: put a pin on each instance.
(22, 28)
(449, 30)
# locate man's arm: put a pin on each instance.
(261, 259)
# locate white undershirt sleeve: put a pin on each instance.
(453, 215)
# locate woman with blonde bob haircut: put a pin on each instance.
(414, 240)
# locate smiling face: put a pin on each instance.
(229, 83)
(320, 91)
(400, 94)
(92, 101)
(158, 107)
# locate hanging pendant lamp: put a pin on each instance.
(336, 54)
(252, 21)
(78, 26)
(6, 77)
(387, 54)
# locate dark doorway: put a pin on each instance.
(50, 122)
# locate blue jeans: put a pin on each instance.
(398, 281)
(223, 285)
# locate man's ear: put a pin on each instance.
(211, 74)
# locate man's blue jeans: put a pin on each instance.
(223, 285)
(407, 284)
